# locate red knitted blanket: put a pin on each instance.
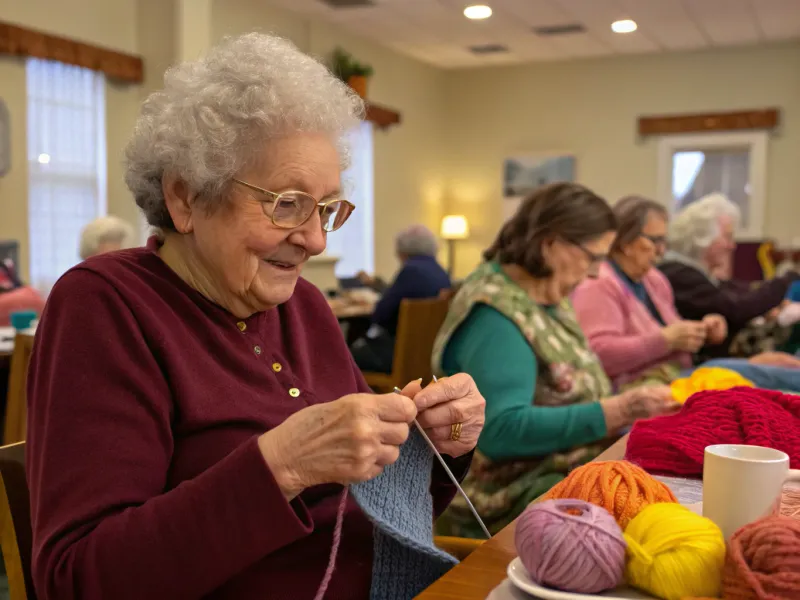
(674, 444)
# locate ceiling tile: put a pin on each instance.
(436, 31)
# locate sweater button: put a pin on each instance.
(257, 349)
(294, 392)
(276, 367)
(241, 325)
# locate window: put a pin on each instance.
(692, 166)
(353, 244)
(66, 163)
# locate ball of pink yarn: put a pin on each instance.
(571, 545)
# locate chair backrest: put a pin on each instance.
(16, 419)
(16, 538)
(418, 323)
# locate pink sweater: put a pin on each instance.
(620, 329)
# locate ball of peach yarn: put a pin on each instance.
(619, 486)
(763, 561)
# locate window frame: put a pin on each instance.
(53, 174)
(756, 143)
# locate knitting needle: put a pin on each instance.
(447, 470)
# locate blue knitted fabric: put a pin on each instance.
(400, 506)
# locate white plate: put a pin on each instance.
(519, 577)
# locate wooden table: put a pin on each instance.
(483, 570)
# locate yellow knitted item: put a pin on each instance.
(707, 378)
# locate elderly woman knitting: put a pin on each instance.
(420, 276)
(197, 427)
(549, 405)
(629, 316)
(698, 265)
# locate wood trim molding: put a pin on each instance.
(21, 41)
(381, 116)
(767, 118)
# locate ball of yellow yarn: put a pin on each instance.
(707, 378)
(674, 553)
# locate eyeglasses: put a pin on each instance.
(291, 209)
(656, 240)
(594, 259)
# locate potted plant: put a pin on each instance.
(349, 70)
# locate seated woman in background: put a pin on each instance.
(420, 277)
(628, 314)
(196, 426)
(701, 246)
(15, 296)
(105, 234)
(549, 406)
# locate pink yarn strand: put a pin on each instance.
(337, 538)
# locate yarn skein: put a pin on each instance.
(571, 545)
(764, 561)
(674, 553)
(618, 486)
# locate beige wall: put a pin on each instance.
(589, 108)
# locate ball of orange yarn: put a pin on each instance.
(763, 561)
(619, 486)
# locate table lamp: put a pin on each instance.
(454, 227)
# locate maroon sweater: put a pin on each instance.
(145, 404)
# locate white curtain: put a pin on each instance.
(354, 243)
(66, 163)
(685, 168)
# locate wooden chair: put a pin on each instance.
(417, 325)
(16, 418)
(16, 538)
(461, 548)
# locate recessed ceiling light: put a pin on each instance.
(624, 26)
(478, 11)
(44, 158)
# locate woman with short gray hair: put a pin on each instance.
(698, 266)
(420, 277)
(201, 392)
(105, 234)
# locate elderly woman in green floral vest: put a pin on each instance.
(549, 405)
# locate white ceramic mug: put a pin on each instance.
(742, 484)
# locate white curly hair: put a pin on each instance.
(696, 227)
(214, 115)
(105, 230)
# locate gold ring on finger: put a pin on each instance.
(455, 432)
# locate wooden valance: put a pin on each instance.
(21, 41)
(767, 118)
(381, 116)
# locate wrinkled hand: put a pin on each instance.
(365, 278)
(441, 404)
(638, 403)
(345, 441)
(688, 336)
(716, 328)
(776, 359)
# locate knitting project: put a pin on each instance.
(675, 444)
(399, 504)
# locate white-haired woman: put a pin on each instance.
(701, 241)
(105, 234)
(420, 276)
(197, 428)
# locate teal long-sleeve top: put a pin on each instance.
(492, 349)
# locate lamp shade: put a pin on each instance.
(455, 227)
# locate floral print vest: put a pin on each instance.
(568, 373)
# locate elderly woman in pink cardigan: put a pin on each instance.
(628, 313)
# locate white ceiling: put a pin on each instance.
(436, 32)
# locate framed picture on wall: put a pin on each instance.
(523, 174)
